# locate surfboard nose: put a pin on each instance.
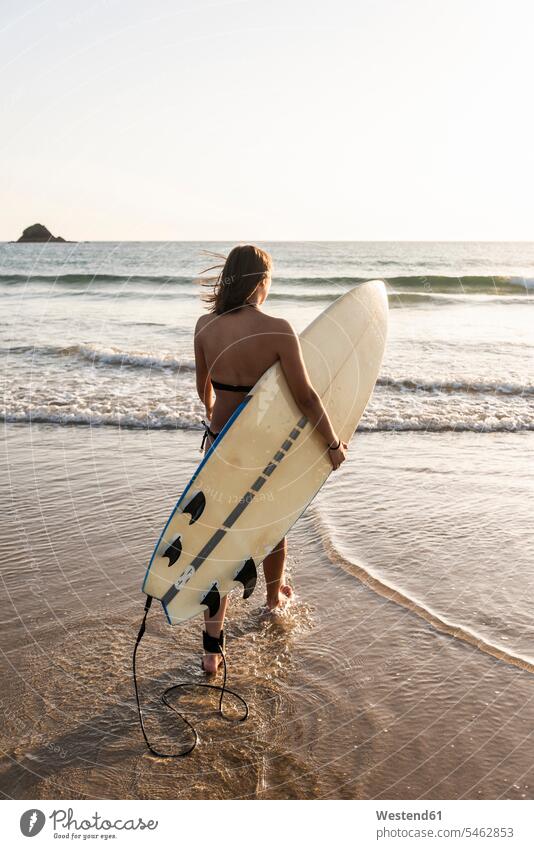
(374, 295)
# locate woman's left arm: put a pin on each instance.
(204, 387)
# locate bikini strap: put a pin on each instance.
(207, 432)
(229, 387)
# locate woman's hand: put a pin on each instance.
(338, 455)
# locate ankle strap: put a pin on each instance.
(213, 645)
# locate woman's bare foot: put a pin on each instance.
(284, 595)
(211, 663)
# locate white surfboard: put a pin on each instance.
(267, 464)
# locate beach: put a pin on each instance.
(405, 667)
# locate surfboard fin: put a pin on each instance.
(195, 507)
(173, 551)
(212, 600)
(247, 576)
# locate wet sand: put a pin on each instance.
(367, 687)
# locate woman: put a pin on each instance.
(234, 345)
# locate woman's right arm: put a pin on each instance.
(307, 399)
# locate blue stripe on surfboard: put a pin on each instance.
(201, 465)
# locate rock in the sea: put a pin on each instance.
(38, 233)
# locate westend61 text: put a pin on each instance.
(408, 815)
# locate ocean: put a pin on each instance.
(100, 334)
(404, 668)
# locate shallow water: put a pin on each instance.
(352, 693)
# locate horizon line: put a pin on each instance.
(271, 241)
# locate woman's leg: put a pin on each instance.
(273, 566)
(214, 625)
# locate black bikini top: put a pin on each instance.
(228, 387)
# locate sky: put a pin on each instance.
(267, 119)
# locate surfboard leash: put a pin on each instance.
(223, 689)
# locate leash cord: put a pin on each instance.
(222, 689)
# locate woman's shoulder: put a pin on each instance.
(275, 321)
(203, 321)
(279, 325)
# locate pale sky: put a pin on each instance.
(268, 119)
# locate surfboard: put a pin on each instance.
(268, 463)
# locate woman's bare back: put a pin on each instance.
(237, 347)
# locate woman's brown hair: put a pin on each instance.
(245, 268)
